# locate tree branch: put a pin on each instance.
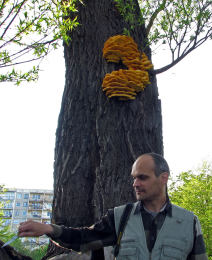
(22, 31)
(8, 26)
(21, 62)
(7, 15)
(172, 64)
(154, 16)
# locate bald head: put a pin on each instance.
(157, 161)
(150, 177)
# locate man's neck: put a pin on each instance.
(155, 205)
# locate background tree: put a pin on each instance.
(4, 230)
(98, 139)
(193, 191)
(29, 30)
(181, 26)
(17, 249)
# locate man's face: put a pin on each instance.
(147, 186)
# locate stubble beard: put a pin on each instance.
(141, 196)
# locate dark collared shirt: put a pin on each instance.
(153, 222)
(103, 233)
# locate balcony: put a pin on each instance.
(35, 199)
(46, 217)
(35, 216)
(7, 206)
(5, 197)
(47, 199)
(34, 208)
(7, 215)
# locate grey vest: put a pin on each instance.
(174, 240)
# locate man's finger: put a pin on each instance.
(26, 234)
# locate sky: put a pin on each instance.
(29, 114)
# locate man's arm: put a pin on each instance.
(198, 251)
(79, 239)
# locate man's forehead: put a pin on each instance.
(140, 173)
(144, 161)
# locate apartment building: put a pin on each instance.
(19, 205)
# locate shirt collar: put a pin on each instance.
(167, 210)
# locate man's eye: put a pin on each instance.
(142, 177)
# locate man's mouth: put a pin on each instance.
(139, 191)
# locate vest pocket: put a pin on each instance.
(171, 253)
(173, 249)
(128, 253)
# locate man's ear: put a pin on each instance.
(164, 177)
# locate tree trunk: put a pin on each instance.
(98, 138)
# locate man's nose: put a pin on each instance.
(135, 182)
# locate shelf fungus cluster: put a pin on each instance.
(125, 84)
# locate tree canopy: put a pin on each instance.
(193, 190)
(179, 25)
(30, 29)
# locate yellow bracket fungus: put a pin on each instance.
(125, 84)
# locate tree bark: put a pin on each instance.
(97, 138)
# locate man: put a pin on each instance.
(156, 229)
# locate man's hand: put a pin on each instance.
(34, 229)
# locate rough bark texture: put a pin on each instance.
(98, 138)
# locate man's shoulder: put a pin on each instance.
(123, 206)
(181, 212)
(125, 209)
(180, 208)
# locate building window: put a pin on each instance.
(18, 204)
(19, 195)
(8, 205)
(9, 196)
(25, 204)
(26, 196)
(16, 221)
(36, 214)
(36, 196)
(49, 214)
(36, 205)
(24, 213)
(16, 213)
(7, 213)
(7, 222)
(47, 206)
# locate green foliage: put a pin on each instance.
(179, 22)
(182, 25)
(32, 28)
(35, 254)
(18, 76)
(21, 247)
(4, 230)
(5, 233)
(29, 30)
(193, 191)
(127, 10)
